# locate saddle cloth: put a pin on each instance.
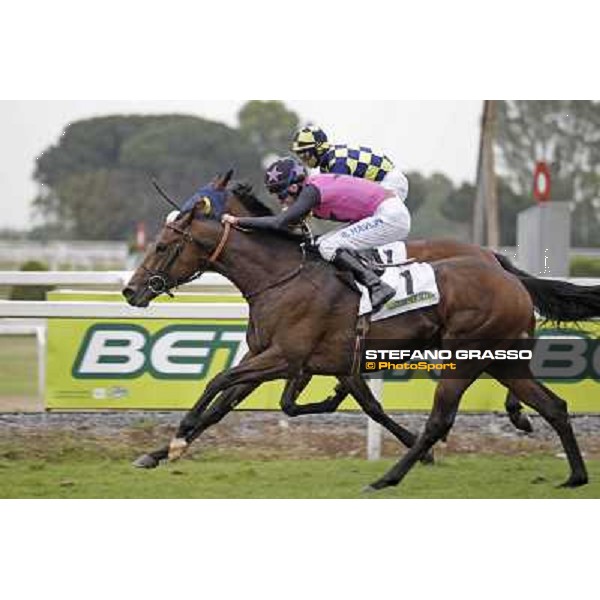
(414, 283)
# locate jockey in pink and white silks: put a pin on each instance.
(375, 216)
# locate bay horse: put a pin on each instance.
(303, 319)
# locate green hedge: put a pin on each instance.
(30, 292)
(584, 266)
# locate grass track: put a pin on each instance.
(228, 477)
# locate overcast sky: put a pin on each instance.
(418, 135)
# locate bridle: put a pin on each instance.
(160, 282)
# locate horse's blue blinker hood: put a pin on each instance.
(214, 202)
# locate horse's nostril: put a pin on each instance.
(128, 293)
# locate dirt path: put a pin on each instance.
(271, 434)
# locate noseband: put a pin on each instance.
(160, 281)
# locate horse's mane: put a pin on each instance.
(244, 193)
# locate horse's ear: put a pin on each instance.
(220, 181)
(227, 178)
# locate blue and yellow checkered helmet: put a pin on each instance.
(309, 138)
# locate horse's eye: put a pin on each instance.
(160, 247)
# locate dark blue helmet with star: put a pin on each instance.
(283, 173)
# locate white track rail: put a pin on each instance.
(19, 309)
(207, 282)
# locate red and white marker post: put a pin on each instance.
(541, 182)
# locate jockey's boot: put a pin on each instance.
(379, 291)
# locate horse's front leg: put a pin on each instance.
(193, 416)
(247, 376)
(194, 423)
(192, 426)
(152, 459)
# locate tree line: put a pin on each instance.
(94, 182)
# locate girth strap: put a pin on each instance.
(363, 325)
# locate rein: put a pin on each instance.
(283, 279)
(217, 251)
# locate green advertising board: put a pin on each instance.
(147, 363)
(159, 364)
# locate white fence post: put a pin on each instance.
(374, 431)
(40, 335)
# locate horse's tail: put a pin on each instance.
(557, 301)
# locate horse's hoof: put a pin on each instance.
(574, 482)
(177, 448)
(521, 422)
(146, 461)
(428, 459)
(368, 489)
(380, 484)
(524, 424)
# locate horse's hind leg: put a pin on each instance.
(445, 406)
(515, 413)
(372, 407)
(514, 408)
(554, 410)
(294, 387)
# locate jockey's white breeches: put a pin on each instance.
(389, 223)
(397, 182)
